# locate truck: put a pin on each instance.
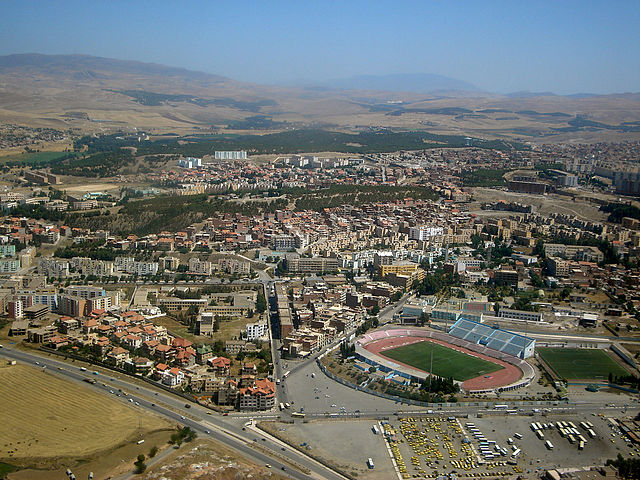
(370, 463)
(92, 381)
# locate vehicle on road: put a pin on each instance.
(186, 405)
(83, 369)
(207, 432)
(182, 417)
(267, 465)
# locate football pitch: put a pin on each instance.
(446, 361)
(581, 364)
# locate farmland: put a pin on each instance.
(46, 419)
(581, 364)
(446, 361)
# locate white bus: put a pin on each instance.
(281, 406)
(549, 445)
(500, 407)
(287, 405)
(370, 463)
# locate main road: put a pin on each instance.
(234, 430)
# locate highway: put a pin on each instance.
(230, 430)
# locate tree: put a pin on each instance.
(261, 303)
(153, 452)
(139, 464)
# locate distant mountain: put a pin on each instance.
(579, 96)
(528, 94)
(93, 94)
(408, 82)
(88, 66)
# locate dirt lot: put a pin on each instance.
(333, 441)
(205, 459)
(545, 204)
(48, 422)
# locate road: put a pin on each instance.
(231, 430)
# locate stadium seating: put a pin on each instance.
(494, 338)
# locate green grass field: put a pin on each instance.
(446, 361)
(581, 364)
(34, 158)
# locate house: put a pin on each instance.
(160, 370)
(185, 357)
(118, 356)
(173, 377)
(220, 365)
(57, 342)
(249, 369)
(132, 341)
(260, 396)
(179, 342)
(139, 365)
(165, 353)
(150, 346)
(203, 353)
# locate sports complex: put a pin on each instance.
(482, 359)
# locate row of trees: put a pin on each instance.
(435, 384)
(347, 350)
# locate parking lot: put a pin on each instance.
(505, 445)
(428, 446)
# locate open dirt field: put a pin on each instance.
(544, 204)
(45, 419)
(206, 459)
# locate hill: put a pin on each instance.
(91, 94)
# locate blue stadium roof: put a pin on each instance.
(494, 338)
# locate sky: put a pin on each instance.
(563, 46)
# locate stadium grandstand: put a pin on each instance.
(494, 338)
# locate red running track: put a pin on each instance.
(507, 375)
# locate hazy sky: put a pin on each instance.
(563, 46)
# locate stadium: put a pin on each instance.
(482, 359)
